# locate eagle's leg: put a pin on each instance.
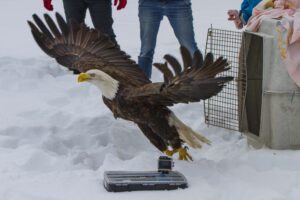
(169, 152)
(183, 154)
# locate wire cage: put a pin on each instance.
(224, 110)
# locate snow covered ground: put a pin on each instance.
(57, 138)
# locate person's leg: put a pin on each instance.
(75, 9)
(101, 14)
(179, 13)
(150, 15)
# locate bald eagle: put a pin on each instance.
(126, 90)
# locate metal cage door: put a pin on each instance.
(223, 110)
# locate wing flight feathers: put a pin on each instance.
(198, 80)
(186, 57)
(80, 48)
(174, 63)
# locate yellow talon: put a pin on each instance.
(184, 155)
(168, 152)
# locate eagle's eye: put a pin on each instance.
(92, 75)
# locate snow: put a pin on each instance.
(57, 137)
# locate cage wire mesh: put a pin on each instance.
(223, 110)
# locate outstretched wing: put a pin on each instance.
(80, 48)
(197, 81)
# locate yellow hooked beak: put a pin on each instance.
(83, 77)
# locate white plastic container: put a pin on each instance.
(271, 108)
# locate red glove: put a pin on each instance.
(48, 5)
(234, 15)
(121, 4)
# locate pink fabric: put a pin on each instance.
(293, 61)
(289, 13)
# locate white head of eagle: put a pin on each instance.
(107, 85)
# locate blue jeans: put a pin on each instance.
(100, 10)
(151, 12)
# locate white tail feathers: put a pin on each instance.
(186, 133)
